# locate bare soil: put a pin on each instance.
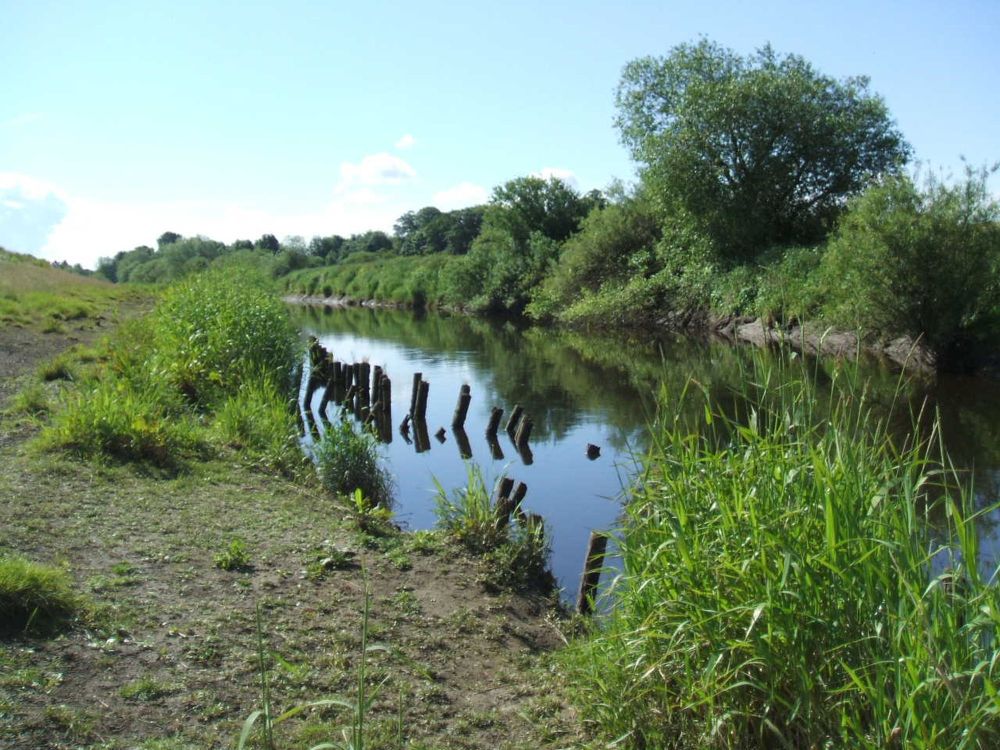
(167, 655)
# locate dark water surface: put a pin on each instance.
(580, 390)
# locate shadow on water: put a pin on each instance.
(583, 390)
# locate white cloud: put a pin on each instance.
(461, 195)
(29, 210)
(376, 169)
(566, 175)
(43, 220)
(407, 141)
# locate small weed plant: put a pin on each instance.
(348, 462)
(234, 556)
(355, 733)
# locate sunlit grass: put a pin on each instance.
(35, 295)
(33, 597)
(784, 586)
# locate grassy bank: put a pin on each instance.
(159, 502)
(795, 581)
(407, 280)
(36, 296)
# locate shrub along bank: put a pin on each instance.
(795, 581)
(211, 365)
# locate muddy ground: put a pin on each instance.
(167, 654)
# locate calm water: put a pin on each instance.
(582, 390)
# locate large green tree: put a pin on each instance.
(760, 150)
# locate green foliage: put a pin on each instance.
(920, 261)
(430, 230)
(257, 420)
(515, 551)
(34, 597)
(234, 556)
(219, 330)
(216, 345)
(121, 419)
(417, 281)
(614, 243)
(760, 150)
(348, 461)
(784, 586)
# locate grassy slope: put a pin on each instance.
(34, 295)
(166, 658)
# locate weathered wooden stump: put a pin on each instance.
(420, 436)
(592, 564)
(462, 407)
(421, 408)
(496, 413)
(515, 419)
(417, 377)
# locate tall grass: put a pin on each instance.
(783, 587)
(211, 364)
(219, 330)
(515, 551)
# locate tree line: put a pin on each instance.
(764, 188)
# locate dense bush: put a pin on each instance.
(212, 363)
(219, 330)
(925, 262)
(614, 244)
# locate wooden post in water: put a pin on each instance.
(421, 407)
(523, 432)
(596, 549)
(329, 379)
(365, 393)
(462, 408)
(385, 396)
(420, 436)
(417, 377)
(515, 418)
(491, 427)
(502, 503)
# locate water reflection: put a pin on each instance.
(581, 390)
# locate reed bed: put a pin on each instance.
(795, 578)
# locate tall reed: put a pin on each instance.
(798, 579)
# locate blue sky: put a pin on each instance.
(121, 120)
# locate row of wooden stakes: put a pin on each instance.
(367, 392)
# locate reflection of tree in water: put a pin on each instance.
(564, 379)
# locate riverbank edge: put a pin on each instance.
(516, 624)
(902, 352)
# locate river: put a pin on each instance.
(585, 390)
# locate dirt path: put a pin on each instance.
(168, 659)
